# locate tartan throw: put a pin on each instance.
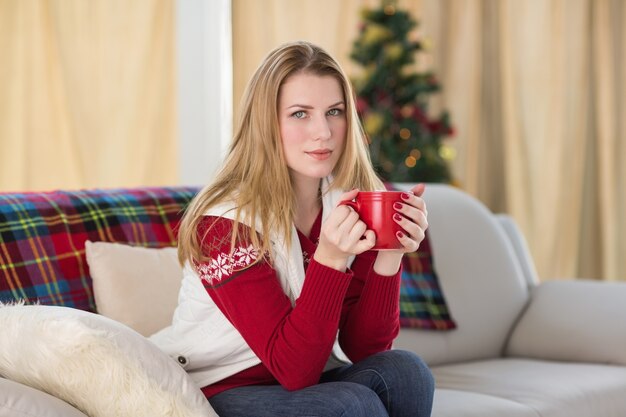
(422, 304)
(42, 237)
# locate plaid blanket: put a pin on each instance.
(422, 304)
(42, 246)
(42, 237)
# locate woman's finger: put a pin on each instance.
(410, 245)
(348, 195)
(412, 229)
(418, 216)
(418, 190)
(366, 243)
(413, 200)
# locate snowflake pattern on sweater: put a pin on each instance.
(224, 264)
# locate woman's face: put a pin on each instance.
(312, 120)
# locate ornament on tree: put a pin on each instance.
(406, 143)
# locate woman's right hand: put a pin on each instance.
(342, 235)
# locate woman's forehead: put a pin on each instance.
(308, 89)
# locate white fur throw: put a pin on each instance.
(98, 365)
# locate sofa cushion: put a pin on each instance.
(42, 236)
(549, 389)
(580, 321)
(94, 363)
(136, 286)
(520, 246)
(462, 403)
(479, 274)
(18, 400)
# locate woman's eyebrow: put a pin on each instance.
(306, 106)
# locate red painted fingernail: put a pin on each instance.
(405, 196)
(397, 206)
(400, 235)
(397, 217)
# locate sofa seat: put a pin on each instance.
(520, 348)
(528, 387)
(457, 403)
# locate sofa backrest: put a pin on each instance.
(42, 237)
(480, 276)
(42, 256)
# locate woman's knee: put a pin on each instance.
(353, 400)
(409, 366)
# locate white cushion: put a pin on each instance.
(18, 400)
(581, 321)
(96, 364)
(134, 285)
(549, 389)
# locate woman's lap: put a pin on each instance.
(322, 400)
(392, 383)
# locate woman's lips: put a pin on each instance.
(320, 154)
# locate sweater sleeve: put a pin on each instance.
(370, 316)
(294, 343)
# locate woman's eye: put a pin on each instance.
(334, 112)
(299, 114)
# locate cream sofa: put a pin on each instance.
(521, 348)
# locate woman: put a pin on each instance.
(280, 285)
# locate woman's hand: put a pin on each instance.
(342, 235)
(412, 216)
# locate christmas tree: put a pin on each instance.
(392, 99)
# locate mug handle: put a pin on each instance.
(350, 203)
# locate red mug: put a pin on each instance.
(375, 208)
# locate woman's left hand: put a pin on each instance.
(412, 216)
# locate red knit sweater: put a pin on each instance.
(294, 343)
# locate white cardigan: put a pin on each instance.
(203, 340)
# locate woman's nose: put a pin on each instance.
(321, 129)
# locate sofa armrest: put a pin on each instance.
(582, 321)
(520, 246)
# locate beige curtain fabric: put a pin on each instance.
(609, 132)
(87, 94)
(537, 91)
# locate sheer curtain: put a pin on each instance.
(87, 94)
(608, 139)
(537, 93)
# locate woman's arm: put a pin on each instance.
(293, 343)
(370, 320)
(370, 316)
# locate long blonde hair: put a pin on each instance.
(254, 177)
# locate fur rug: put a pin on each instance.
(100, 366)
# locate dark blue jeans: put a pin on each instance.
(395, 383)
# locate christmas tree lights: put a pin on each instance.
(406, 142)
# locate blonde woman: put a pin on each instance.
(284, 310)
